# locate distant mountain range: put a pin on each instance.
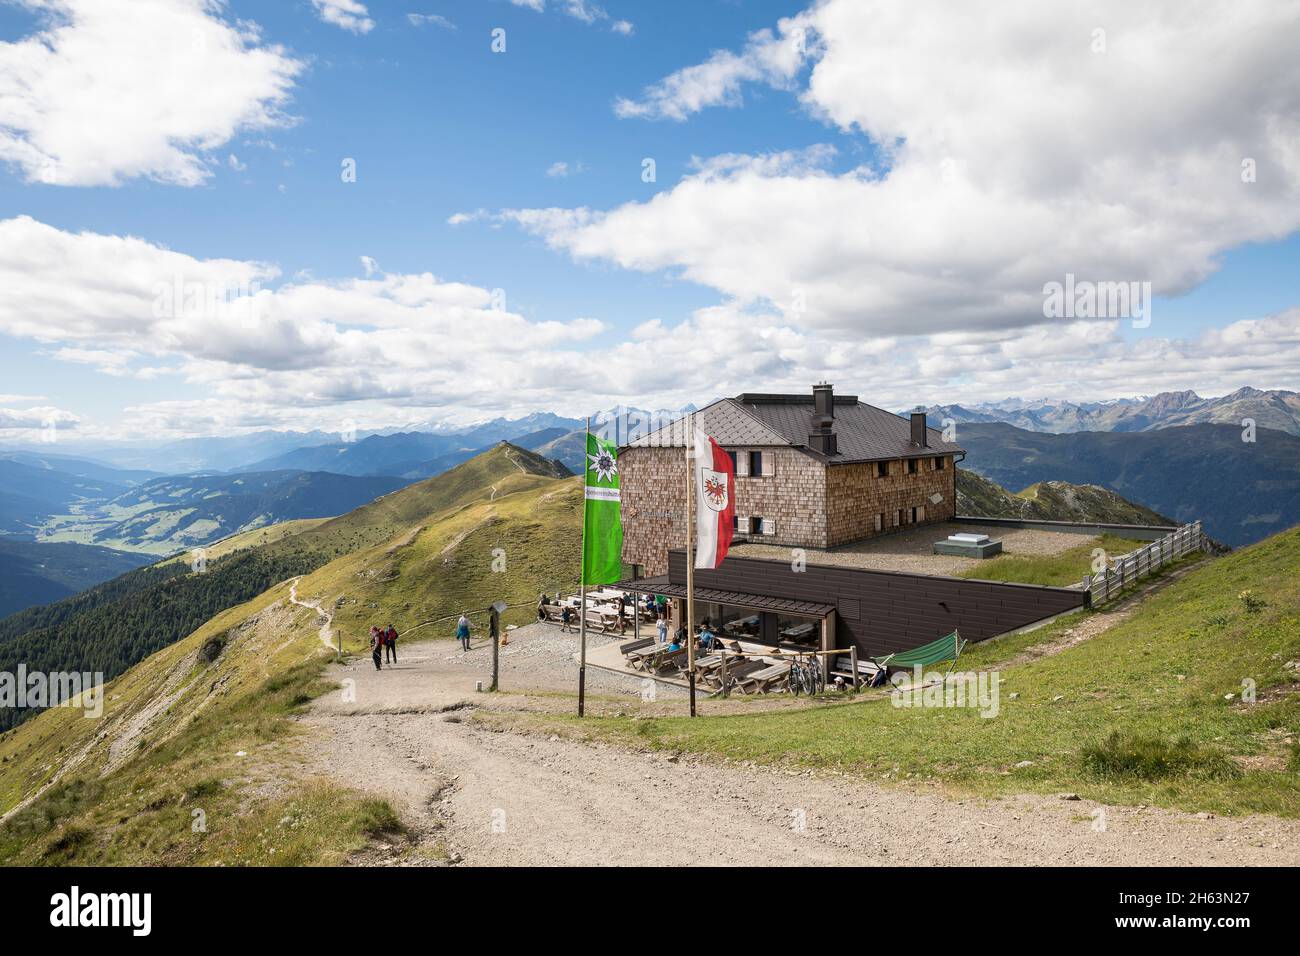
(1243, 491)
(1277, 409)
(185, 511)
(1049, 501)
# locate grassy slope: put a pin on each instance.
(1057, 570)
(1050, 501)
(1126, 679)
(258, 811)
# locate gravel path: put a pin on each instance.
(497, 797)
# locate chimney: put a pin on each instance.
(822, 436)
(919, 437)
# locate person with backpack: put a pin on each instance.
(376, 647)
(462, 630)
(390, 644)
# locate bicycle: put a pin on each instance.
(806, 677)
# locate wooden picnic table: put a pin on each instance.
(763, 679)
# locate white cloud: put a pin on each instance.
(110, 90)
(773, 57)
(1008, 154)
(394, 349)
(350, 15)
(584, 10)
(561, 169)
(423, 19)
(34, 421)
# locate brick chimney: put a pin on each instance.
(919, 437)
(822, 436)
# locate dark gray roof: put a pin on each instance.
(863, 432)
(726, 421)
(754, 602)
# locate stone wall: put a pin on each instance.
(857, 495)
(653, 491)
(809, 504)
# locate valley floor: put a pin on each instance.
(475, 787)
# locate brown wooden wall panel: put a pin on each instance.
(895, 611)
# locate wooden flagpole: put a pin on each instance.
(582, 581)
(690, 557)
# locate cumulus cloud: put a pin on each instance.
(251, 351)
(35, 420)
(1012, 145)
(350, 15)
(772, 57)
(109, 90)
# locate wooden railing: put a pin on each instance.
(1130, 568)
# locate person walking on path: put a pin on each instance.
(462, 630)
(390, 644)
(566, 619)
(376, 647)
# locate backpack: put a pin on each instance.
(390, 638)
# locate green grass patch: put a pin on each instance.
(1053, 570)
(1126, 755)
(1178, 665)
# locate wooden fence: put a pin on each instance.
(1130, 568)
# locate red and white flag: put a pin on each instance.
(715, 501)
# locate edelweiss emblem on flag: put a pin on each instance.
(603, 465)
(714, 485)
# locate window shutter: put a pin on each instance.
(742, 523)
(742, 464)
(769, 526)
(768, 465)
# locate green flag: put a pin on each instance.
(602, 521)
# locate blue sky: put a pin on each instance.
(438, 124)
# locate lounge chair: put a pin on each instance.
(947, 648)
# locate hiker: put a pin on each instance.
(390, 644)
(621, 607)
(376, 648)
(650, 605)
(662, 626)
(462, 630)
(706, 636)
(542, 602)
(566, 618)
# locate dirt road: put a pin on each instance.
(504, 798)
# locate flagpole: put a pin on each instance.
(690, 560)
(582, 583)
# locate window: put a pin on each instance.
(755, 525)
(756, 463)
(938, 464)
(732, 456)
(899, 519)
(911, 466)
(913, 516)
(882, 469)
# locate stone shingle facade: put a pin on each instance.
(805, 501)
